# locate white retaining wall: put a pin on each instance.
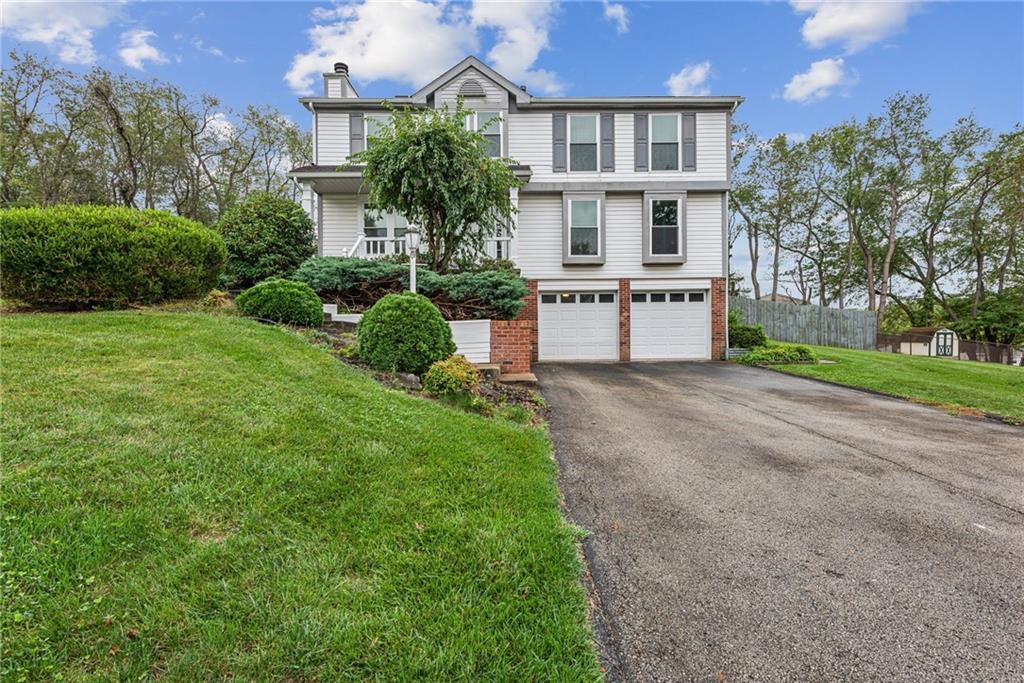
(472, 337)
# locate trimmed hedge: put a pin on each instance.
(404, 333)
(744, 336)
(356, 284)
(266, 236)
(75, 257)
(778, 353)
(452, 376)
(283, 301)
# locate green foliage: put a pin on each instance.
(998, 318)
(404, 333)
(217, 299)
(266, 236)
(776, 353)
(451, 376)
(429, 168)
(98, 256)
(357, 284)
(743, 336)
(283, 301)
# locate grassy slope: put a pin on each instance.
(204, 497)
(988, 387)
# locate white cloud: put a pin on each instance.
(67, 28)
(616, 12)
(415, 40)
(200, 46)
(854, 24)
(690, 80)
(522, 32)
(136, 49)
(818, 81)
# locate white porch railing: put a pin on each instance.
(378, 247)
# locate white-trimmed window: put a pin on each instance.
(664, 217)
(666, 225)
(375, 123)
(488, 124)
(665, 135)
(583, 228)
(384, 232)
(583, 142)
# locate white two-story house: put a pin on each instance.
(621, 224)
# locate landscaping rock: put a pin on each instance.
(408, 380)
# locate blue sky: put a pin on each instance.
(801, 66)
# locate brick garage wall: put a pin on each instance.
(719, 319)
(514, 342)
(624, 303)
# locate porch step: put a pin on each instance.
(526, 379)
(490, 371)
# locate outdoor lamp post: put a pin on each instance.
(412, 246)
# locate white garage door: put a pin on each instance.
(578, 326)
(669, 325)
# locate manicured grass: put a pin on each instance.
(208, 498)
(954, 384)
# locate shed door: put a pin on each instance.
(670, 325)
(578, 326)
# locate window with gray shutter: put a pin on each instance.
(356, 135)
(640, 142)
(689, 142)
(607, 142)
(558, 148)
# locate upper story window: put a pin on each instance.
(375, 124)
(664, 142)
(664, 239)
(488, 124)
(583, 228)
(583, 142)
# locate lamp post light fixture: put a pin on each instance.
(412, 247)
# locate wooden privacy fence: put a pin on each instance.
(848, 328)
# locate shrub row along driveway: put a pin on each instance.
(758, 525)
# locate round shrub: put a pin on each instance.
(75, 257)
(404, 333)
(744, 336)
(452, 376)
(283, 301)
(266, 236)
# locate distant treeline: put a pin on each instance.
(919, 227)
(101, 138)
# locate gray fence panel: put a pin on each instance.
(848, 328)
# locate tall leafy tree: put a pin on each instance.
(427, 166)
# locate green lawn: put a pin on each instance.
(954, 384)
(206, 498)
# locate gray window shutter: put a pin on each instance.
(689, 142)
(640, 142)
(558, 143)
(356, 133)
(607, 142)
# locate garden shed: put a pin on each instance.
(941, 342)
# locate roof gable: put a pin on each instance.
(421, 95)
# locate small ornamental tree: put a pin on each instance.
(266, 236)
(429, 168)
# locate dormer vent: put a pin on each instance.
(471, 88)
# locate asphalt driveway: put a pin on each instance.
(749, 525)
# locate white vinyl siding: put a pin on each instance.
(539, 239)
(495, 95)
(530, 137)
(332, 138)
(341, 227)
